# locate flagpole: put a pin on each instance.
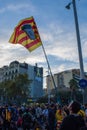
(49, 69)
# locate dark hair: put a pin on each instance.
(27, 110)
(52, 105)
(75, 106)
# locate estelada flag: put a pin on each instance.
(26, 34)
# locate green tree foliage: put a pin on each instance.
(73, 84)
(18, 88)
(74, 87)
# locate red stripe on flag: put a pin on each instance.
(19, 33)
(25, 22)
(32, 43)
(23, 39)
(14, 40)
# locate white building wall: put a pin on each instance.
(67, 76)
(61, 79)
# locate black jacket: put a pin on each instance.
(72, 122)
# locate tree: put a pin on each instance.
(18, 88)
(74, 87)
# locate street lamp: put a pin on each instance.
(78, 37)
(78, 40)
(68, 6)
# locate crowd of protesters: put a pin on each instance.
(43, 117)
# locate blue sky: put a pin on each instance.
(57, 31)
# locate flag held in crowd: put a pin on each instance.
(26, 34)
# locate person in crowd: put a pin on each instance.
(19, 122)
(60, 114)
(82, 113)
(45, 112)
(1, 122)
(86, 109)
(26, 120)
(86, 112)
(38, 112)
(45, 116)
(6, 116)
(73, 121)
(51, 117)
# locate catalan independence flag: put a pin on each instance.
(26, 34)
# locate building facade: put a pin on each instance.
(34, 73)
(62, 79)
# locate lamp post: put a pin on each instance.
(78, 37)
(78, 40)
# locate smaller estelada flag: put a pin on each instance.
(26, 34)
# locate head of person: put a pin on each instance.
(52, 105)
(27, 110)
(75, 107)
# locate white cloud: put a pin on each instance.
(59, 42)
(18, 7)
